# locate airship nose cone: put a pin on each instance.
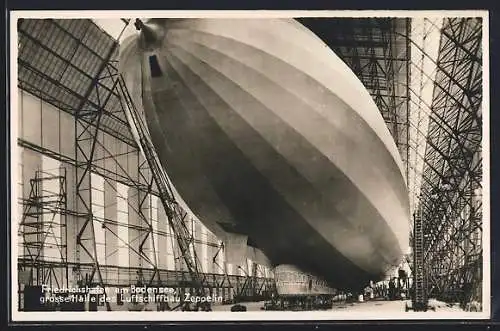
(151, 33)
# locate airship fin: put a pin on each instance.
(257, 256)
(235, 248)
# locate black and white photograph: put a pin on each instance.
(249, 165)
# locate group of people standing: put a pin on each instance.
(393, 289)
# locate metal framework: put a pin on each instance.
(175, 214)
(43, 228)
(378, 52)
(72, 73)
(450, 196)
(65, 63)
(420, 298)
(59, 60)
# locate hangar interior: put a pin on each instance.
(90, 211)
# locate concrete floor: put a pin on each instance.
(371, 305)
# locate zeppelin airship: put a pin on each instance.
(266, 133)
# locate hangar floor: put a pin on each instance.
(372, 305)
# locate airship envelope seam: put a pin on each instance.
(303, 165)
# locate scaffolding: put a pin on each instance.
(43, 228)
(450, 196)
(95, 96)
(419, 299)
(43, 231)
(87, 125)
(256, 288)
(446, 192)
(176, 215)
(62, 62)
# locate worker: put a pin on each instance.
(392, 289)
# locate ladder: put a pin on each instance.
(175, 213)
(419, 299)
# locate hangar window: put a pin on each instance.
(154, 66)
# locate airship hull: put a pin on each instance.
(273, 139)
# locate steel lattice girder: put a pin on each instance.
(450, 193)
(57, 62)
(378, 51)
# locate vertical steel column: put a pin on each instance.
(419, 298)
(408, 79)
(87, 128)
